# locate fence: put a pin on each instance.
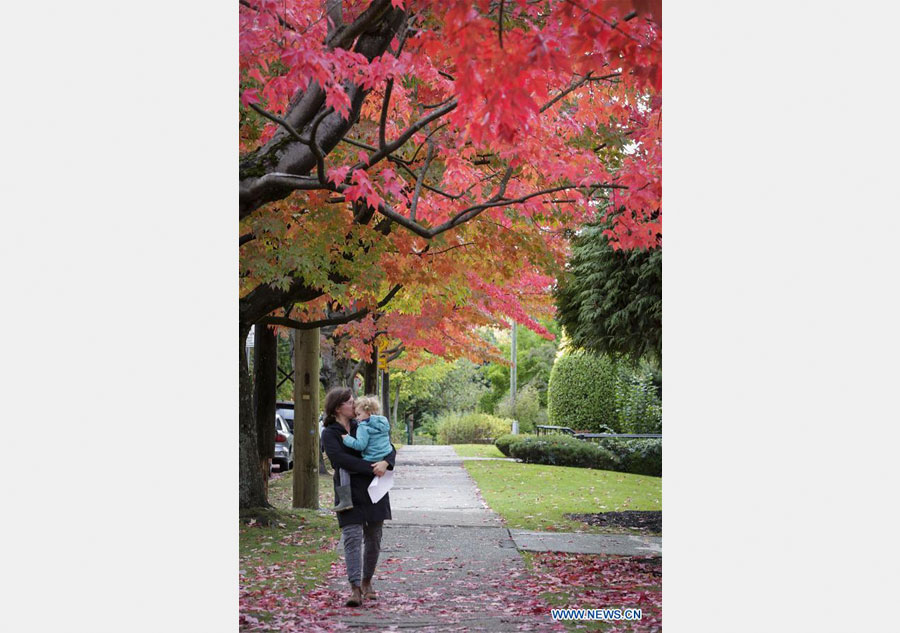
(546, 429)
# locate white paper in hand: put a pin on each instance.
(380, 485)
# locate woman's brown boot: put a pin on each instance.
(367, 592)
(355, 598)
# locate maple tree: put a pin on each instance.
(411, 168)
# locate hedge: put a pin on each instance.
(562, 450)
(582, 393)
(639, 457)
(505, 441)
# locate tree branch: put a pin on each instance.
(422, 144)
(288, 181)
(431, 106)
(283, 153)
(415, 200)
(284, 23)
(281, 122)
(441, 192)
(471, 212)
(314, 145)
(612, 25)
(384, 110)
(333, 320)
(335, 13)
(572, 86)
(345, 35)
(405, 136)
(447, 249)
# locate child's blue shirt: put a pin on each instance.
(373, 438)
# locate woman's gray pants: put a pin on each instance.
(362, 544)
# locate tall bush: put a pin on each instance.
(457, 428)
(582, 393)
(527, 410)
(638, 402)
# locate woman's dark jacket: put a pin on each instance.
(361, 475)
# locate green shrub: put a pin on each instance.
(638, 402)
(640, 457)
(527, 410)
(582, 393)
(467, 428)
(563, 450)
(504, 442)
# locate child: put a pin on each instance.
(373, 439)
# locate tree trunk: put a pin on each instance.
(265, 363)
(395, 418)
(328, 373)
(346, 368)
(251, 488)
(370, 373)
(386, 392)
(306, 419)
(336, 372)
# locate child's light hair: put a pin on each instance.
(370, 404)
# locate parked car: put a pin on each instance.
(284, 444)
(286, 411)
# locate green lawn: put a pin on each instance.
(535, 497)
(477, 450)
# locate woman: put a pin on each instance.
(360, 525)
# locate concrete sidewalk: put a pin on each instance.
(449, 564)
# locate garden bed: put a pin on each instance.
(645, 520)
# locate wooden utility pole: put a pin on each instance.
(512, 380)
(385, 378)
(306, 419)
(386, 394)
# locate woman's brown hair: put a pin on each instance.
(333, 399)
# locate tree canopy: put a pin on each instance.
(439, 147)
(411, 169)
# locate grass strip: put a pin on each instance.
(535, 497)
(290, 556)
(477, 450)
